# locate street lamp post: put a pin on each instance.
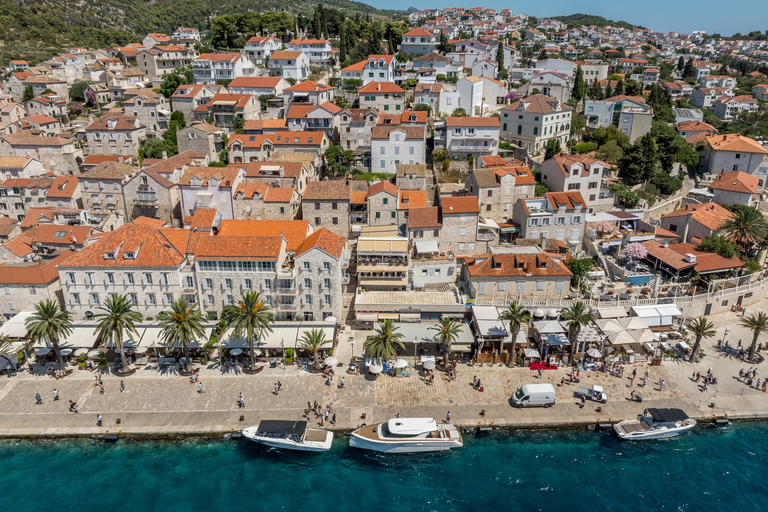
(725, 333)
(282, 347)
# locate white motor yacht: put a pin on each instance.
(407, 435)
(291, 435)
(655, 424)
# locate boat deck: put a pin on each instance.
(368, 432)
(638, 426)
(316, 435)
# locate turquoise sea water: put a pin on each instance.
(709, 469)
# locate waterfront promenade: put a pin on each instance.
(165, 403)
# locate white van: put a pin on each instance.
(534, 395)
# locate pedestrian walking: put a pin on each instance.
(739, 346)
(325, 417)
(77, 409)
(631, 396)
(276, 389)
(539, 372)
(122, 386)
(759, 381)
(661, 384)
(741, 373)
(474, 381)
(55, 395)
(634, 372)
(341, 384)
(241, 401)
(101, 388)
(200, 388)
(39, 399)
(98, 420)
(330, 406)
(333, 420)
(279, 385)
(632, 381)
(96, 380)
(448, 417)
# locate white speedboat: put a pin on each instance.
(655, 424)
(291, 435)
(407, 435)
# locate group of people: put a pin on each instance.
(749, 376)
(57, 374)
(324, 414)
(707, 379)
(477, 383)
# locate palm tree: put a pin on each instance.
(48, 324)
(701, 328)
(447, 332)
(313, 341)
(758, 324)
(747, 227)
(577, 316)
(181, 326)
(119, 319)
(249, 317)
(5, 343)
(382, 344)
(516, 316)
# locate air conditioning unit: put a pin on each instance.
(690, 258)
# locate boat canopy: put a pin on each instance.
(411, 426)
(668, 415)
(286, 428)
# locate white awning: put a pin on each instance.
(389, 316)
(83, 336)
(16, 326)
(611, 312)
(532, 353)
(367, 317)
(427, 246)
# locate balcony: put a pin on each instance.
(149, 199)
(285, 291)
(287, 307)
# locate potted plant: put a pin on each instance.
(81, 361)
(101, 361)
(289, 355)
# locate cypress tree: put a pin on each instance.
(579, 87)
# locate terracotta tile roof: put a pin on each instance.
(308, 86)
(203, 218)
(380, 88)
(63, 187)
(7, 225)
(382, 186)
(418, 31)
(710, 215)
(431, 57)
(490, 122)
(570, 199)
(522, 173)
(565, 162)
(674, 257)
(33, 215)
(418, 170)
(265, 124)
(298, 111)
(294, 231)
(428, 88)
(109, 171)
(381, 131)
(35, 273)
(220, 57)
(176, 162)
(122, 123)
(387, 59)
(326, 191)
(250, 190)
(255, 82)
(251, 140)
(358, 197)
(414, 116)
(696, 126)
(240, 99)
(34, 185)
(151, 249)
(238, 247)
(357, 66)
(149, 221)
(285, 55)
(290, 169)
(421, 218)
(288, 138)
(14, 161)
(97, 159)
(516, 265)
(737, 181)
(697, 137)
(735, 142)
(24, 139)
(410, 199)
(41, 119)
(325, 240)
(279, 195)
(47, 233)
(190, 90)
(225, 175)
(459, 204)
(538, 103)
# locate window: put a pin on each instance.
(326, 300)
(210, 300)
(392, 214)
(207, 283)
(593, 185)
(540, 285)
(502, 286)
(535, 130)
(327, 266)
(378, 215)
(335, 221)
(559, 287)
(520, 128)
(326, 283)
(227, 284)
(110, 279)
(147, 278)
(317, 221)
(306, 265)
(307, 283)
(334, 206)
(151, 299)
(481, 288)
(71, 278)
(462, 231)
(75, 298)
(248, 284)
(520, 287)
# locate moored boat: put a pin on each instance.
(291, 435)
(407, 435)
(655, 424)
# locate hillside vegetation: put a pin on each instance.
(29, 24)
(579, 19)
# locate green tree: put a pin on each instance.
(250, 317)
(447, 331)
(77, 91)
(28, 93)
(578, 123)
(540, 189)
(747, 227)
(459, 112)
(576, 316)
(688, 70)
(500, 55)
(48, 324)
(118, 319)
(619, 90)
(610, 152)
(171, 82)
(624, 196)
(384, 341)
(687, 155)
(680, 63)
(313, 341)
(701, 328)
(153, 148)
(717, 244)
(579, 86)
(552, 148)
(666, 184)
(443, 47)
(639, 163)
(758, 324)
(579, 267)
(181, 326)
(515, 315)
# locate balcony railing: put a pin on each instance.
(285, 291)
(287, 307)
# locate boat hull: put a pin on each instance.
(662, 433)
(288, 444)
(365, 439)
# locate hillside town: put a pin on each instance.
(609, 181)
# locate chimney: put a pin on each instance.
(165, 155)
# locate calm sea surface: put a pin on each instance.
(709, 469)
